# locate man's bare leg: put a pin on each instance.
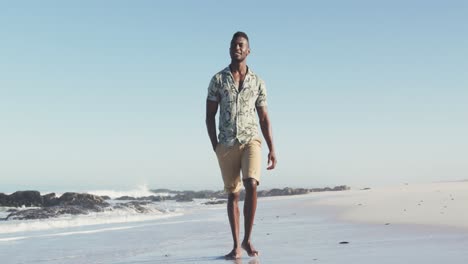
(250, 206)
(233, 214)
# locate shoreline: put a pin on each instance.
(293, 229)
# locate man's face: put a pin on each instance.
(239, 49)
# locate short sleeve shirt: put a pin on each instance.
(237, 117)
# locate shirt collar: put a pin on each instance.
(227, 70)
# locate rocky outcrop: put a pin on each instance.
(51, 206)
(46, 212)
(136, 206)
(223, 201)
(282, 192)
(178, 196)
(183, 197)
(187, 196)
(152, 198)
(34, 199)
(328, 189)
(21, 198)
(50, 200)
(85, 200)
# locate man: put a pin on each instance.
(239, 93)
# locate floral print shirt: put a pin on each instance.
(237, 118)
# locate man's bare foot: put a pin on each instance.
(247, 246)
(236, 253)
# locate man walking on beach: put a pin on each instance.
(239, 93)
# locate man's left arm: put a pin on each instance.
(265, 125)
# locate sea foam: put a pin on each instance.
(69, 221)
(140, 191)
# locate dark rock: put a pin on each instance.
(4, 199)
(163, 191)
(50, 200)
(20, 198)
(47, 212)
(34, 198)
(183, 198)
(216, 202)
(282, 192)
(85, 200)
(68, 203)
(137, 206)
(186, 196)
(27, 198)
(344, 242)
(199, 195)
(155, 198)
(29, 214)
(126, 198)
(106, 197)
(80, 203)
(220, 195)
(50, 205)
(340, 188)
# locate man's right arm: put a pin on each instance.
(211, 110)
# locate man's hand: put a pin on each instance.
(211, 109)
(271, 161)
(266, 130)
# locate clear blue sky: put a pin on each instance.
(111, 94)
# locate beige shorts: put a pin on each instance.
(240, 157)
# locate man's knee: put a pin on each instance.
(250, 183)
(234, 197)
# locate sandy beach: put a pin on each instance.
(401, 224)
(435, 204)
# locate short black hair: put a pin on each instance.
(240, 34)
